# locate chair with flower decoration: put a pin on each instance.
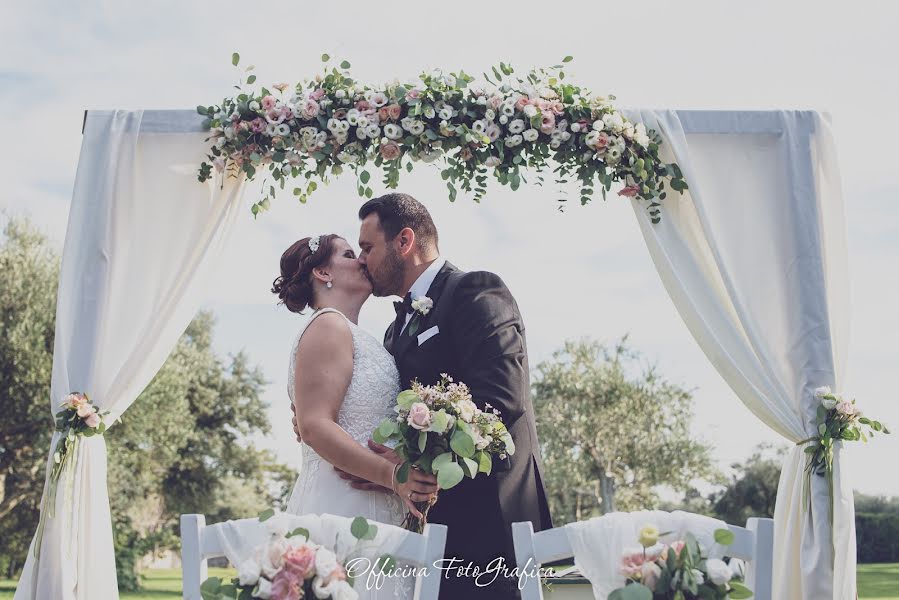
(199, 543)
(753, 544)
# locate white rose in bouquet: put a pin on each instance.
(531, 135)
(718, 571)
(325, 562)
(248, 572)
(263, 589)
(822, 391)
(467, 410)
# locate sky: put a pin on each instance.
(582, 272)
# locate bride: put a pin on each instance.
(342, 383)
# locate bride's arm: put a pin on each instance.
(324, 368)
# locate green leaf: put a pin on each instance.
(567, 59)
(439, 421)
(365, 176)
(251, 80)
(422, 440)
(738, 591)
(449, 475)
(725, 537)
(462, 444)
(485, 462)
(267, 514)
(407, 398)
(470, 467)
(402, 473)
(299, 531)
(359, 527)
(441, 460)
(209, 589)
(635, 591)
(235, 58)
(344, 65)
(325, 58)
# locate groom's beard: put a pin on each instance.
(387, 280)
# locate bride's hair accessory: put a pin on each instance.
(314, 242)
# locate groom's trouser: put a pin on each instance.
(479, 558)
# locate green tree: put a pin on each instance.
(185, 445)
(29, 271)
(752, 489)
(612, 429)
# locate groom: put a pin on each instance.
(475, 334)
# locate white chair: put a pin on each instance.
(753, 544)
(199, 543)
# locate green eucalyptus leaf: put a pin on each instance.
(235, 58)
(449, 475)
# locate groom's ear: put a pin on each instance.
(405, 240)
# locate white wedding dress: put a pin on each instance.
(370, 397)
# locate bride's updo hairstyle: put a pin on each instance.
(294, 285)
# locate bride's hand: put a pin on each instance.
(418, 487)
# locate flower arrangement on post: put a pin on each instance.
(440, 430)
(838, 418)
(679, 570)
(497, 127)
(289, 566)
(78, 418)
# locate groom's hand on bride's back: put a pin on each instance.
(296, 426)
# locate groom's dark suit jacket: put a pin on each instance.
(481, 343)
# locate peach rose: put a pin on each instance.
(390, 151)
(394, 110)
(419, 416)
(92, 420)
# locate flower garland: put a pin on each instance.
(318, 128)
(838, 418)
(78, 418)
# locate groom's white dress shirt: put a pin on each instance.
(423, 283)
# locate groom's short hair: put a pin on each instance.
(396, 211)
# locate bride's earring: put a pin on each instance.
(329, 285)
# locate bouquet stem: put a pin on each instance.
(413, 523)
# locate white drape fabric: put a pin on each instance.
(754, 258)
(599, 543)
(142, 238)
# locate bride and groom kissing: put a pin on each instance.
(342, 382)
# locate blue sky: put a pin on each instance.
(582, 272)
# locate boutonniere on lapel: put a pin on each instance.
(422, 306)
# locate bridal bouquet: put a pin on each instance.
(290, 567)
(679, 570)
(440, 430)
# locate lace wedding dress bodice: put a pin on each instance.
(369, 398)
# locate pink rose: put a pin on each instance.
(630, 191)
(557, 107)
(257, 125)
(846, 407)
(286, 586)
(495, 102)
(75, 400)
(311, 109)
(92, 420)
(84, 409)
(268, 102)
(419, 416)
(318, 94)
(603, 140)
(677, 547)
(394, 111)
(547, 123)
(390, 150)
(301, 561)
(363, 105)
(383, 114)
(340, 113)
(522, 102)
(413, 94)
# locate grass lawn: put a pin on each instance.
(874, 581)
